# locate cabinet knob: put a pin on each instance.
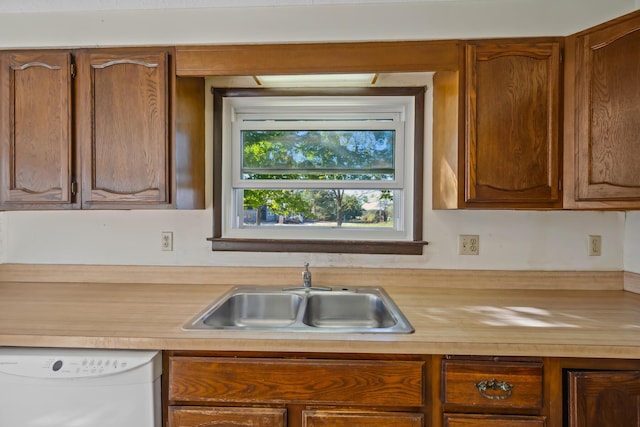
(503, 388)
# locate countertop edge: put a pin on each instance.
(320, 346)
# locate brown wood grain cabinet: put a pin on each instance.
(120, 152)
(601, 116)
(604, 398)
(470, 383)
(483, 392)
(36, 137)
(215, 417)
(465, 420)
(384, 390)
(324, 418)
(512, 110)
(505, 153)
(312, 392)
(122, 101)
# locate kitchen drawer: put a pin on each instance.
(492, 384)
(307, 381)
(208, 416)
(458, 420)
(360, 419)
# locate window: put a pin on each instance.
(318, 171)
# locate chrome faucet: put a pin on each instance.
(306, 276)
(306, 283)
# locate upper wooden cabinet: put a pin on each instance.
(121, 152)
(36, 149)
(509, 154)
(125, 150)
(602, 125)
(512, 105)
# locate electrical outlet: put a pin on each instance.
(166, 243)
(595, 245)
(468, 244)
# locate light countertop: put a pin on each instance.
(554, 323)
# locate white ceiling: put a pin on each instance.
(85, 5)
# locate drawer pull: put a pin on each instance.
(495, 385)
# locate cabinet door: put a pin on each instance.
(607, 90)
(35, 130)
(512, 109)
(215, 417)
(122, 124)
(361, 419)
(455, 420)
(604, 399)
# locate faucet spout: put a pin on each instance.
(306, 283)
(306, 276)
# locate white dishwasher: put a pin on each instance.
(52, 387)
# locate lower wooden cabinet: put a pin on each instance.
(492, 392)
(492, 385)
(208, 389)
(212, 416)
(604, 398)
(455, 420)
(294, 392)
(360, 419)
(203, 416)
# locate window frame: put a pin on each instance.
(403, 247)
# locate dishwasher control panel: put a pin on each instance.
(62, 363)
(84, 366)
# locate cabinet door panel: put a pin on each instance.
(604, 399)
(454, 420)
(35, 132)
(607, 126)
(512, 129)
(216, 417)
(360, 419)
(123, 128)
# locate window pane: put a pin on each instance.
(318, 154)
(319, 208)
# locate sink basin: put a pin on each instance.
(260, 308)
(348, 310)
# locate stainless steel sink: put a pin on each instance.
(260, 308)
(348, 310)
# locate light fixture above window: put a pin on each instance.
(316, 80)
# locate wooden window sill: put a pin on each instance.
(326, 246)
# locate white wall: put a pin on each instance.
(632, 242)
(332, 22)
(508, 239)
(3, 239)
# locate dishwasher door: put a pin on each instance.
(79, 388)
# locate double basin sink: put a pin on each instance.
(261, 308)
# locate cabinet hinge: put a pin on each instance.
(74, 188)
(73, 71)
